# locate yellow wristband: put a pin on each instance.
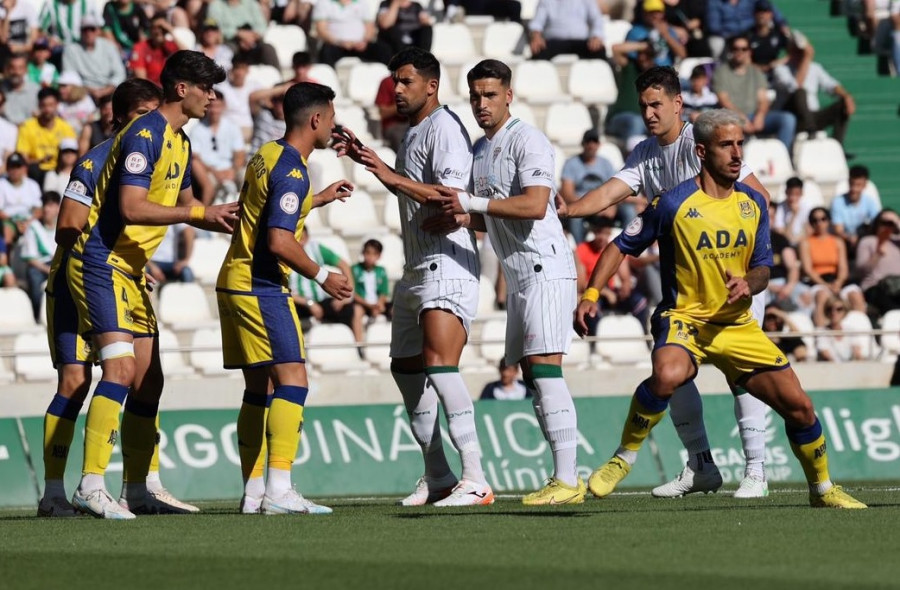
(198, 213)
(591, 294)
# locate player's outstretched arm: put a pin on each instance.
(532, 204)
(606, 267)
(336, 191)
(285, 246)
(745, 287)
(72, 217)
(610, 193)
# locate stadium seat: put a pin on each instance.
(579, 353)
(324, 168)
(447, 89)
(592, 82)
(537, 82)
(566, 123)
(528, 9)
(821, 159)
(688, 64)
(265, 76)
(890, 338)
(522, 110)
(6, 376)
(620, 340)
(493, 340)
(844, 185)
(287, 40)
(315, 223)
(325, 74)
(559, 160)
(336, 244)
(803, 322)
(184, 306)
(770, 161)
(363, 179)
(16, 315)
(32, 357)
(207, 257)
(462, 83)
(487, 299)
(391, 213)
(452, 43)
(363, 82)
(616, 30)
(353, 217)
(206, 352)
(857, 321)
(378, 341)
(354, 117)
(611, 152)
(172, 359)
(506, 41)
(185, 37)
(464, 113)
(392, 256)
(331, 348)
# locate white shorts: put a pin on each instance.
(458, 296)
(539, 319)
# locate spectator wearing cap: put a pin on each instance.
(727, 18)
(41, 70)
(346, 29)
(656, 32)
(18, 26)
(20, 198)
(567, 26)
(211, 44)
(403, 23)
(75, 106)
(39, 245)
(21, 93)
(800, 81)
(95, 58)
(125, 23)
(149, 56)
(9, 133)
(582, 173)
(57, 180)
(40, 136)
(768, 43)
(243, 25)
(218, 150)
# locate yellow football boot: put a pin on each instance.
(556, 492)
(605, 479)
(836, 497)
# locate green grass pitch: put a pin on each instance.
(628, 540)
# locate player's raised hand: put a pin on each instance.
(345, 143)
(336, 191)
(337, 286)
(584, 309)
(738, 288)
(221, 218)
(374, 164)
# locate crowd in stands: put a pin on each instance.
(61, 61)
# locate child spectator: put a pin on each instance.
(41, 70)
(371, 288)
(508, 387)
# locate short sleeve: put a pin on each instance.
(631, 172)
(452, 157)
(140, 149)
(286, 193)
(762, 248)
(81, 185)
(641, 232)
(187, 178)
(535, 160)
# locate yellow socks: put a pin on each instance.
(251, 434)
(101, 429)
(138, 439)
(809, 447)
(59, 429)
(645, 412)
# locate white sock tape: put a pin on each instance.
(117, 350)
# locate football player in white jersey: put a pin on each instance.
(658, 164)
(514, 186)
(436, 299)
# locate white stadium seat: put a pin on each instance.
(537, 81)
(325, 168)
(566, 123)
(447, 89)
(16, 315)
(336, 244)
(592, 81)
(207, 257)
(468, 120)
(803, 322)
(452, 43)
(857, 321)
(32, 357)
(184, 306)
(186, 38)
(355, 216)
(331, 348)
(506, 41)
(611, 152)
(364, 80)
(890, 339)
(493, 340)
(821, 159)
(528, 9)
(265, 76)
(390, 214)
(325, 74)
(688, 64)
(487, 299)
(462, 83)
(170, 357)
(378, 341)
(315, 223)
(769, 160)
(522, 110)
(616, 30)
(579, 355)
(287, 40)
(363, 179)
(621, 340)
(206, 352)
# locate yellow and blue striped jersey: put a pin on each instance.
(149, 154)
(276, 193)
(700, 237)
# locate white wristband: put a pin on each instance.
(322, 275)
(464, 200)
(478, 205)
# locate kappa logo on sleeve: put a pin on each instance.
(88, 164)
(294, 173)
(145, 133)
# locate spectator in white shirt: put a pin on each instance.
(9, 134)
(236, 92)
(57, 180)
(792, 216)
(218, 150)
(20, 198)
(346, 29)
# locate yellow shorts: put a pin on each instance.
(738, 350)
(109, 300)
(259, 330)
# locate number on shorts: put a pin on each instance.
(124, 295)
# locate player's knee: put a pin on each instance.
(667, 377)
(74, 381)
(800, 411)
(119, 370)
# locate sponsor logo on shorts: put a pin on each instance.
(136, 162)
(289, 203)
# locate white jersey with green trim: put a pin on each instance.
(532, 250)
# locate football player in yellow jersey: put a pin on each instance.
(715, 254)
(145, 186)
(260, 329)
(71, 355)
